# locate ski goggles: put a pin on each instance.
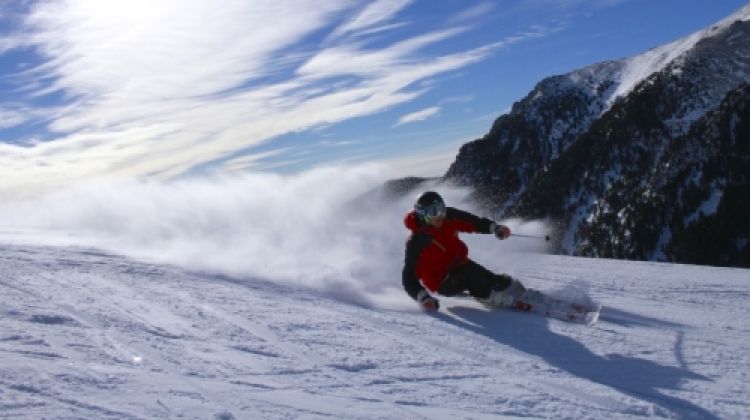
(433, 211)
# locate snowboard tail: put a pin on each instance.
(537, 302)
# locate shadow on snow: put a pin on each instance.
(639, 378)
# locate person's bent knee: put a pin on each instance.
(502, 282)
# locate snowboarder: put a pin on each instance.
(437, 260)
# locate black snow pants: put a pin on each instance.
(475, 279)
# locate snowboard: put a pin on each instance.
(536, 302)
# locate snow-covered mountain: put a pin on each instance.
(649, 196)
(582, 148)
(90, 334)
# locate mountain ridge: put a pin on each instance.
(578, 122)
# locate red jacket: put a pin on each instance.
(431, 253)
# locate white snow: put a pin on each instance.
(707, 208)
(664, 238)
(180, 312)
(640, 67)
(628, 72)
(94, 335)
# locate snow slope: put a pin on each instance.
(89, 334)
(278, 297)
(635, 69)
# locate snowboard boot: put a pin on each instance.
(528, 300)
(507, 297)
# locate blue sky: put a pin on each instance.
(159, 90)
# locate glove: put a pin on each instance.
(428, 302)
(501, 231)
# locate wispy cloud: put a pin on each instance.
(419, 115)
(474, 12)
(242, 164)
(154, 89)
(353, 60)
(11, 117)
(367, 19)
(567, 5)
(10, 42)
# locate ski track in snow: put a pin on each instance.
(89, 334)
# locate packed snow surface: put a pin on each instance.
(89, 334)
(276, 298)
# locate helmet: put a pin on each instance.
(429, 205)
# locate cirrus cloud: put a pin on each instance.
(419, 115)
(155, 89)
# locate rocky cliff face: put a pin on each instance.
(642, 158)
